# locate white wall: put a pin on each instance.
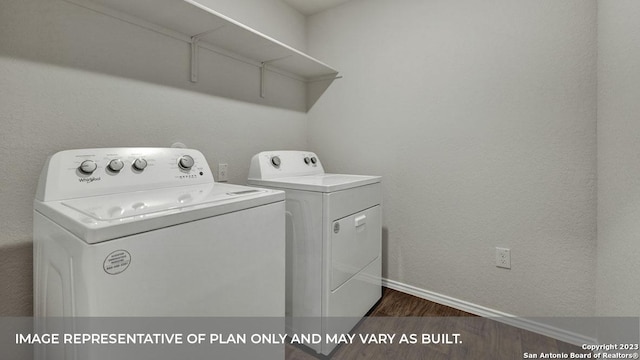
(481, 117)
(72, 78)
(618, 160)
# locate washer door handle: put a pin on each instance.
(361, 220)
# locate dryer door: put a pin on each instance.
(355, 243)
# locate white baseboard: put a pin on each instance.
(522, 323)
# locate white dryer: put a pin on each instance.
(333, 241)
(130, 232)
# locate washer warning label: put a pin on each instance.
(117, 262)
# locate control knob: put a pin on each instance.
(314, 160)
(275, 161)
(88, 167)
(139, 164)
(306, 160)
(115, 165)
(185, 162)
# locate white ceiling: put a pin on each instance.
(310, 7)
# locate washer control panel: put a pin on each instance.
(92, 172)
(277, 164)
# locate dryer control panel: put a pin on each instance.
(285, 163)
(91, 172)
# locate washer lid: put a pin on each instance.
(319, 183)
(101, 218)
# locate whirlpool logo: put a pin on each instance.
(89, 179)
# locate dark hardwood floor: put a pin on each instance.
(399, 313)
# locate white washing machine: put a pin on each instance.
(333, 241)
(129, 232)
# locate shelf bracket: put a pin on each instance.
(262, 70)
(195, 53)
(262, 73)
(194, 58)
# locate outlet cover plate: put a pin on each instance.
(503, 258)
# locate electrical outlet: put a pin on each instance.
(223, 173)
(503, 258)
